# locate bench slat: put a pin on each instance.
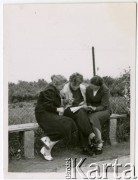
(116, 116)
(22, 127)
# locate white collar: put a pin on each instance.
(95, 92)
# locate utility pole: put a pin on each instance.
(93, 61)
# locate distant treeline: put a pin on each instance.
(27, 91)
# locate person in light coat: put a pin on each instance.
(74, 94)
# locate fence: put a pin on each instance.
(23, 111)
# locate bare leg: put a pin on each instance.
(91, 136)
(99, 138)
(97, 133)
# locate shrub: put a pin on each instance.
(25, 91)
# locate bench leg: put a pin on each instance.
(29, 144)
(112, 133)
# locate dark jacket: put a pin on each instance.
(55, 127)
(49, 100)
(100, 100)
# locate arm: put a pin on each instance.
(49, 100)
(67, 95)
(87, 104)
(104, 101)
(83, 92)
(87, 98)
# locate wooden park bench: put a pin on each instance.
(29, 138)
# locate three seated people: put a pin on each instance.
(64, 108)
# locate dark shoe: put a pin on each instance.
(87, 152)
(98, 151)
(96, 146)
(93, 143)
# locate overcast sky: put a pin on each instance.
(45, 39)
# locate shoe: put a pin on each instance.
(44, 152)
(46, 141)
(98, 151)
(87, 152)
(93, 143)
(99, 148)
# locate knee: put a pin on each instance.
(94, 119)
(71, 122)
(93, 116)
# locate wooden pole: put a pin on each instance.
(93, 60)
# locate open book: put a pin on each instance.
(75, 109)
(88, 108)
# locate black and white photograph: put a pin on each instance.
(69, 79)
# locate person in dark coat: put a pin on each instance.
(47, 115)
(74, 93)
(97, 97)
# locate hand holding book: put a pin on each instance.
(68, 101)
(60, 110)
(89, 108)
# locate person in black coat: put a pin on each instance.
(97, 98)
(48, 115)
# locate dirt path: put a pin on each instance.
(58, 164)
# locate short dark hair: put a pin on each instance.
(97, 80)
(76, 78)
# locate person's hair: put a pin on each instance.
(97, 80)
(58, 79)
(76, 78)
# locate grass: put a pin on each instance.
(38, 164)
